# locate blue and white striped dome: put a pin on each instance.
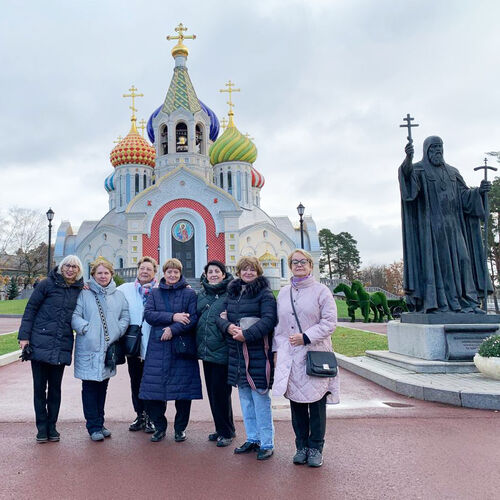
(109, 182)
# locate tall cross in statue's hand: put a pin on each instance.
(409, 125)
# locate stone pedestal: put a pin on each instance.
(440, 342)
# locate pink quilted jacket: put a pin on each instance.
(317, 314)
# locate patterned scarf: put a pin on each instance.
(145, 289)
(296, 281)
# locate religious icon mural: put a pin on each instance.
(182, 231)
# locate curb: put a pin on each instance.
(10, 357)
(481, 393)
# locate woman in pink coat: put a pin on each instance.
(317, 313)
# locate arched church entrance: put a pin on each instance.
(183, 246)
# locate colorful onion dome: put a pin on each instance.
(257, 179)
(109, 182)
(214, 122)
(133, 149)
(232, 145)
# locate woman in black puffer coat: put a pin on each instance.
(213, 351)
(46, 328)
(249, 322)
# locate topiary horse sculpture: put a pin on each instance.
(376, 300)
(351, 299)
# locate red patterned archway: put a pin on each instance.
(216, 244)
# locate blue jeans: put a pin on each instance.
(93, 399)
(257, 417)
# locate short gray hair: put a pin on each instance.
(74, 261)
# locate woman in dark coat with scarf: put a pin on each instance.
(213, 350)
(249, 322)
(46, 329)
(171, 371)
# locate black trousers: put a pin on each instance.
(93, 399)
(47, 381)
(156, 411)
(309, 423)
(219, 396)
(135, 368)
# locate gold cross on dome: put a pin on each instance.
(230, 90)
(247, 135)
(142, 126)
(133, 95)
(180, 30)
(223, 123)
(118, 139)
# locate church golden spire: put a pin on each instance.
(180, 49)
(133, 95)
(230, 90)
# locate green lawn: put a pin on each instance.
(8, 343)
(13, 306)
(355, 342)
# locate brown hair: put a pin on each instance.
(252, 262)
(152, 261)
(307, 256)
(172, 264)
(101, 261)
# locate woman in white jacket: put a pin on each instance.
(136, 294)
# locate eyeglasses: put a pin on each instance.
(302, 262)
(70, 266)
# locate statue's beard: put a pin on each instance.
(436, 159)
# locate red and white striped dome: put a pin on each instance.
(257, 179)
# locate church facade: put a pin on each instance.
(192, 193)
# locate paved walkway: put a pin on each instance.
(379, 445)
(380, 328)
(8, 325)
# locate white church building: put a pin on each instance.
(191, 193)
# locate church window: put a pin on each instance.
(134, 249)
(231, 235)
(134, 238)
(221, 180)
(136, 184)
(181, 138)
(249, 239)
(105, 236)
(134, 260)
(144, 181)
(231, 247)
(229, 183)
(283, 267)
(200, 148)
(164, 140)
(232, 257)
(120, 263)
(264, 233)
(238, 185)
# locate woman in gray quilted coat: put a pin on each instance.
(93, 339)
(317, 313)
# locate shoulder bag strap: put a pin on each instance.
(268, 366)
(294, 311)
(103, 318)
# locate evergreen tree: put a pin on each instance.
(340, 256)
(12, 289)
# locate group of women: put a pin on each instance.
(242, 335)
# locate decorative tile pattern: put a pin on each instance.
(216, 245)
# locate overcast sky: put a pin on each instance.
(324, 87)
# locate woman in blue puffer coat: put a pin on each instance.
(171, 371)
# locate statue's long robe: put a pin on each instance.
(442, 244)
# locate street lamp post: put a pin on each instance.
(206, 248)
(300, 210)
(50, 216)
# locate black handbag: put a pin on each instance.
(318, 363)
(321, 364)
(114, 353)
(184, 346)
(131, 341)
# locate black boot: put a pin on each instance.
(149, 427)
(138, 424)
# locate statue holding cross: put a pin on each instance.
(444, 267)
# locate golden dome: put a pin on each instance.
(133, 149)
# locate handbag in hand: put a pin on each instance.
(318, 363)
(114, 353)
(184, 346)
(131, 341)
